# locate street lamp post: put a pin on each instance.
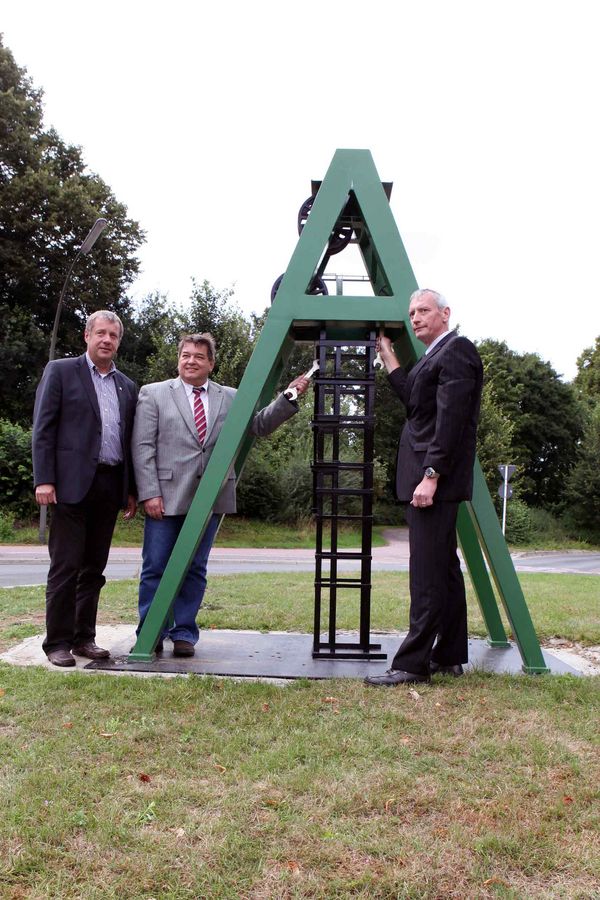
(93, 235)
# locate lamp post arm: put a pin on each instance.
(59, 307)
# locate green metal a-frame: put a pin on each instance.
(351, 185)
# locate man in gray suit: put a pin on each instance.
(176, 427)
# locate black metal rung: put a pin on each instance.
(342, 583)
(342, 554)
(338, 466)
(345, 516)
(348, 653)
(342, 492)
(333, 418)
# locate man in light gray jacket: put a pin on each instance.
(176, 427)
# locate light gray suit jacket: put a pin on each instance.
(169, 460)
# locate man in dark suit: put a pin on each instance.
(82, 423)
(442, 395)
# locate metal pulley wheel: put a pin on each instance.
(340, 236)
(317, 287)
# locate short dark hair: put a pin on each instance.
(205, 338)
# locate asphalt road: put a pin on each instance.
(28, 565)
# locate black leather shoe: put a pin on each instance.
(91, 650)
(183, 648)
(396, 676)
(438, 669)
(61, 657)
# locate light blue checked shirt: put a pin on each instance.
(111, 451)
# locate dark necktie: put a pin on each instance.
(199, 414)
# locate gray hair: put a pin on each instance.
(103, 314)
(441, 301)
(198, 339)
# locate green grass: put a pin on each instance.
(136, 788)
(234, 532)
(200, 788)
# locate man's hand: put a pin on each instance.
(45, 494)
(301, 384)
(154, 507)
(384, 347)
(423, 493)
(131, 508)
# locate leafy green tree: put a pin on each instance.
(48, 202)
(216, 311)
(148, 351)
(546, 417)
(160, 328)
(583, 482)
(587, 380)
(494, 437)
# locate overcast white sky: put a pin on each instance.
(209, 120)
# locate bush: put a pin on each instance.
(16, 471)
(519, 522)
(547, 529)
(6, 526)
(258, 490)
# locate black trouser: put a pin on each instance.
(79, 542)
(438, 607)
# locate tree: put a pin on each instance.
(148, 351)
(210, 310)
(546, 417)
(587, 380)
(583, 482)
(217, 312)
(494, 437)
(48, 202)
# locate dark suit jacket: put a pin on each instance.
(442, 395)
(67, 429)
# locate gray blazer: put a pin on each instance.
(167, 456)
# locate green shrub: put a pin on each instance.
(16, 472)
(519, 522)
(6, 526)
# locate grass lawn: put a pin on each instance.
(191, 788)
(234, 532)
(564, 606)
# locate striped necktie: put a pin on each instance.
(199, 414)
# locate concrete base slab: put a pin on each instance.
(254, 654)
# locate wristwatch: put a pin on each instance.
(431, 473)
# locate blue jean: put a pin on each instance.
(160, 536)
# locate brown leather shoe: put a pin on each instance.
(91, 650)
(61, 657)
(183, 648)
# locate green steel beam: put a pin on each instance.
(485, 521)
(474, 559)
(297, 315)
